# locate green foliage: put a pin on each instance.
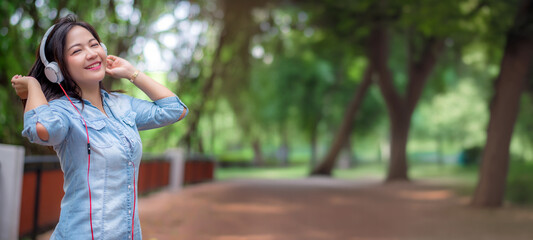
(265, 173)
(23, 24)
(236, 157)
(455, 120)
(465, 177)
(520, 182)
(471, 156)
(312, 56)
(522, 138)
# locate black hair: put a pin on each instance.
(54, 51)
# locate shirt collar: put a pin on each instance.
(105, 97)
(104, 93)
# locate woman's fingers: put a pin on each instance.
(18, 84)
(112, 58)
(109, 63)
(14, 80)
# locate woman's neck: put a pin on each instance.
(94, 96)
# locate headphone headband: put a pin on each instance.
(42, 55)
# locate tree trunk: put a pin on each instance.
(352, 159)
(343, 134)
(213, 132)
(313, 142)
(258, 155)
(509, 85)
(200, 143)
(398, 154)
(440, 152)
(283, 152)
(400, 108)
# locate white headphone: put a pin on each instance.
(51, 69)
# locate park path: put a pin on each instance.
(325, 209)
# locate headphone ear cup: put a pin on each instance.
(104, 47)
(53, 73)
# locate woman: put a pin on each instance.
(93, 131)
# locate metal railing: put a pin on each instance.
(42, 188)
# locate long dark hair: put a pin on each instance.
(54, 51)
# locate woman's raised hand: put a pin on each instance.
(20, 84)
(118, 67)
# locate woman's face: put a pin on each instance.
(85, 58)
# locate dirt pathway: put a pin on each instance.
(325, 209)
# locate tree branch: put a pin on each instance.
(419, 70)
(379, 55)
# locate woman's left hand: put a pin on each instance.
(118, 67)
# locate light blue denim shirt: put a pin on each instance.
(116, 152)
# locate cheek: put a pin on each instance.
(73, 65)
(103, 56)
(71, 61)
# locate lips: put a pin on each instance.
(94, 66)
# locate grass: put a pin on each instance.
(464, 178)
(266, 172)
(366, 170)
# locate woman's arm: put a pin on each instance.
(120, 68)
(30, 89)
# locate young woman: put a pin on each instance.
(93, 131)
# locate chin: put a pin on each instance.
(93, 79)
(100, 76)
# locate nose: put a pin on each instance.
(91, 53)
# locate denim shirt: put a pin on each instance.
(116, 152)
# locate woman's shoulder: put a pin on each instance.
(62, 103)
(119, 102)
(119, 97)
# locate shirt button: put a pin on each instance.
(129, 186)
(129, 236)
(129, 163)
(129, 211)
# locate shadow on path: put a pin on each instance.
(329, 209)
(325, 209)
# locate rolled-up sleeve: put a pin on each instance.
(158, 113)
(54, 121)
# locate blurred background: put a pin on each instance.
(396, 90)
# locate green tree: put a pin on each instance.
(504, 107)
(23, 25)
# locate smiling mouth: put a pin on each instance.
(94, 66)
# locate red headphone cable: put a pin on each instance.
(89, 167)
(88, 162)
(134, 200)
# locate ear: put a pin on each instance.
(104, 47)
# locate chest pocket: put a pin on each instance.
(132, 134)
(99, 135)
(129, 119)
